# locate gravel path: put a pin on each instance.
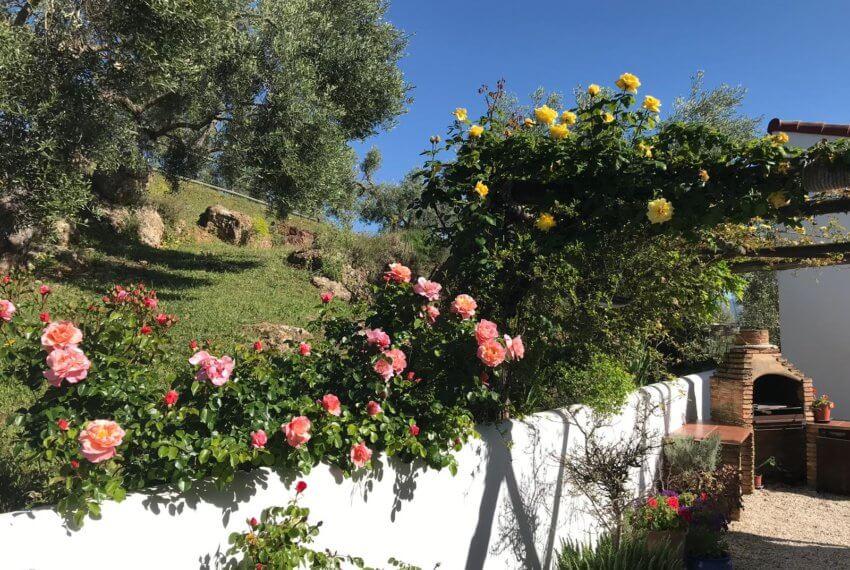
(792, 527)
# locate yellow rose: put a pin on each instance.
(528, 122)
(780, 138)
(703, 175)
(546, 114)
(545, 222)
(644, 149)
(476, 131)
(559, 131)
(652, 104)
(628, 82)
(778, 199)
(481, 189)
(593, 89)
(460, 114)
(607, 118)
(569, 118)
(659, 211)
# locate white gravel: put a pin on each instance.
(792, 527)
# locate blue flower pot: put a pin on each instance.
(699, 563)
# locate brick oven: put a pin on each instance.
(756, 388)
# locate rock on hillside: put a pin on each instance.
(295, 236)
(278, 336)
(325, 285)
(228, 225)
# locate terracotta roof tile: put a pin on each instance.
(825, 129)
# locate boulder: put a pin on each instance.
(228, 225)
(278, 336)
(335, 287)
(310, 259)
(117, 218)
(150, 227)
(357, 281)
(295, 236)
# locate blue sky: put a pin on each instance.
(791, 55)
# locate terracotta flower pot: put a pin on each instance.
(656, 539)
(822, 414)
(759, 484)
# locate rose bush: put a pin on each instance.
(596, 234)
(116, 412)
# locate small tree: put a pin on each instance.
(602, 469)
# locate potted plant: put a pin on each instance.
(661, 518)
(822, 408)
(769, 462)
(706, 547)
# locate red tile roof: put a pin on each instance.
(825, 129)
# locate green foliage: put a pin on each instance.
(261, 226)
(90, 98)
(717, 108)
(392, 205)
(425, 414)
(604, 384)
(632, 553)
(686, 454)
(760, 303)
(660, 513)
(280, 540)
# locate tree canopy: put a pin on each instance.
(94, 92)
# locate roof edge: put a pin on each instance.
(826, 129)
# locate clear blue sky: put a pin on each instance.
(791, 55)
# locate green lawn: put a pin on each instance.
(215, 289)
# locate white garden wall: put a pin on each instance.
(507, 507)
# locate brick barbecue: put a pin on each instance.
(756, 387)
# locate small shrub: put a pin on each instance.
(632, 554)
(261, 227)
(688, 455)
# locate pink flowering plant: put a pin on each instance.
(115, 411)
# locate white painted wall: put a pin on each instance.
(814, 309)
(507, 508)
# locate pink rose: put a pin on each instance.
(384, 368)
(327, 297)
(397, 359)
(465, 306)
(68, 364)
(121, 295)
(216, 370)
(377, 337)
(331, 404)
(44, 317)
(297, 431)
(428, 289)
(414, 430)
(151, 303)
(258, 346)
(60, 335)
(373, 408)
(304, 349)
(300, 487)
(259, 439)
(397, 273)
(491, 353)
(360, 455)
(99, 439)
(485, 330)
(7, 309)
(62, 424)
(430, 312)
(515, 347)
(44, 290)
